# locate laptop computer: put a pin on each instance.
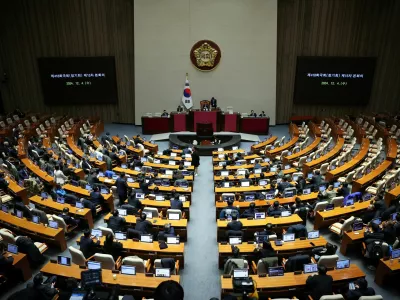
(249, 197)
(288, 194)
(173, 240)
(94, 265)
(358, 226)
(44, 195)
(395, 253)
(60, 200)
(259, 215)
(273, 169)
(104, 191)
(53, 224)
(310, 268)
(336, 184)
(306, 191)
(226, 184)
(287, 167)
(35, 219)
(262, 182)
(173, 216)
(257, 171)
(4, 208)
(139, 196)
(313, 234)
(121, 236)
(235, 240)
(224, 173)
(146, 238)
(269, 196)
(275, 271)
(19, 214)
(162, 272)
(187, 163)
(88, 187)
(159, 198)
(240, 273)
(128, 270)
(63, 260)
(169, 172)
(286, 213)
(310, 175)
(12, 248)
(288, 237)
(97, 233)
(79, 205)
(322, 188)
(342, 264)
(122, 212)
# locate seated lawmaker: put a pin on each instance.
(96, 197)
(70, 221)
(252, 114)
(262, 114)
(143, 225)
(168, 231)
(87, 245)
(319, 285)
(116, 223)
(3, 182)
(275, 210)
(250, 211)
(112, 247)
(176, 203)
(164, 114)
(284, 184)
(234, 224)
(361, 289)
(228, 210)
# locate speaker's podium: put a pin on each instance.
(204, 131)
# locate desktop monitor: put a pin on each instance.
(240, 273)
(228, 197)
(146, 238)
(122, 212)
(249, 197)
(12, 248)
(226, 184)
(288, 194)
(288, 237)
(128, 270)
(257, 171)
(149, 214)
(310, 268)
(182, 198)
(53, 224)
(139, 196)
(342, 264)
(162, 272)
(79, 205)
(97, 233)
(286, 213)
(235, 240)
(157, 161)
(78, 295)
(313, 234)
(306, 191)
(358, 226)
(275, 271)
(35, 219)
(94, 265)
(173, 216)
(130, 180)
(322, 188)
(19, 214)
(241, 172)
(377, 221)
(173, 240)
(63, 260)
(259, 215)
(187, 163)
(172, 163)
(395, 253)
(262, 182)
(121, 236)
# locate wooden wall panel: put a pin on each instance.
(45, 28)
(339, 28)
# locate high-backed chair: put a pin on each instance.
(63, 225)
(348, 178)
(337, 201)
(329, 261)
(339, 228)
(375, 297)
(174, 211)
(283, 154)
(77, 256)
(152, 210)
(107, 261)
(324, 168)
(301, 162)
(376, 188)
(263, 265)
(320, 206)
(332, 297)
(106, 231)
(158, 264)
(141, 266)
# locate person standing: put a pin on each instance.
(195, 161)
(122, 188)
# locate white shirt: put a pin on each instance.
(59, 177)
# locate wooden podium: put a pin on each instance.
(204, 130)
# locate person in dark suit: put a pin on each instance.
(250, 211)
(176, 203)
(234, 224)
(85, 165)
(23, 173)
(275, 210)
(195, 161)
(114, 156)
(252, 114)
(179, 109)
(361, 289)
(321, 284)
(284, 184)
(67, 218)
(213, 102)
(7, 269)
(87, 244)
(374, 233)
(262, 114)
(122, 188)
(116, 223)
(143, 225)
(47, 290)
(301, 183)
(316, 179)
(111, 247)
(168, 231)
(225, 212)
(343, 190)
(19, 205)
(3, 182)
(96, 197)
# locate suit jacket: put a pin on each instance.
(284, 185)
(68, 220)
(195, 159)
(319, 285)
(234, 225)
(116, 223)
(87, 246)
(176, 204)
(44, 290)
(122, 187)
(143, 226)
(26, 245)
(96, 198)
(5, 263)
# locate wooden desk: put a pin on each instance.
(351, 238)
(180, 226)
(263, 204)
(125, 281)
(17, 190)
(152, 147)
(166, 204)
(266, 174)
(392, 195)
(391, 149)
(136, 173)
(225, 151)
(350, 165)
(314, 129)
(247, 157)
(150, 250)
(286, 250)
(38, 232)
(324, 218)
(234, 168)
(287, 146)
(385, 269)
(309, 166)
(251, 226)
(260, 146)
(21, 262)
(305, 151)
(165, 166)
(368, 179)
(38, 172)
(293, 285)
(176, 158)
(108, 198)
(53, 206)
(293, 129)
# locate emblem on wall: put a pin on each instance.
(205, 55)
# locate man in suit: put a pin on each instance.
(275, 210)
(87, 244)
(143, 225)
(164, 114)
(329, 193)
(234, 224)
(85, 165)
(3, 182)
(122, 188)
(116, 223)
(179, 109)
(316, 180)
(252, 114)
(96, 197)
(250, 211)
(23, 173)
(176, 203)
(284, 184)
(195, 161)
(114, 155)
(321, 284)
(19, 205)
(168, 231)
(262, 114)
(70, 221)
(225, 212)
(213, 102)
(361, 289)
(343, 190)
(46, 290)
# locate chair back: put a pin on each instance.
(107, 261)
(332, 297)
(302, 160)
(328, 261)
(158, 264)
(324, 168)
(265, 263)
(60, 221)
(320, 206)
(77, 256)
(174, 211)
(135, 261)
(375, 297)
(152, 210)
(337, 201)
(205, 102)
(347, 224)
(106, 231)
(7, 237)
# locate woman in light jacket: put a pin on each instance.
(59, 176)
